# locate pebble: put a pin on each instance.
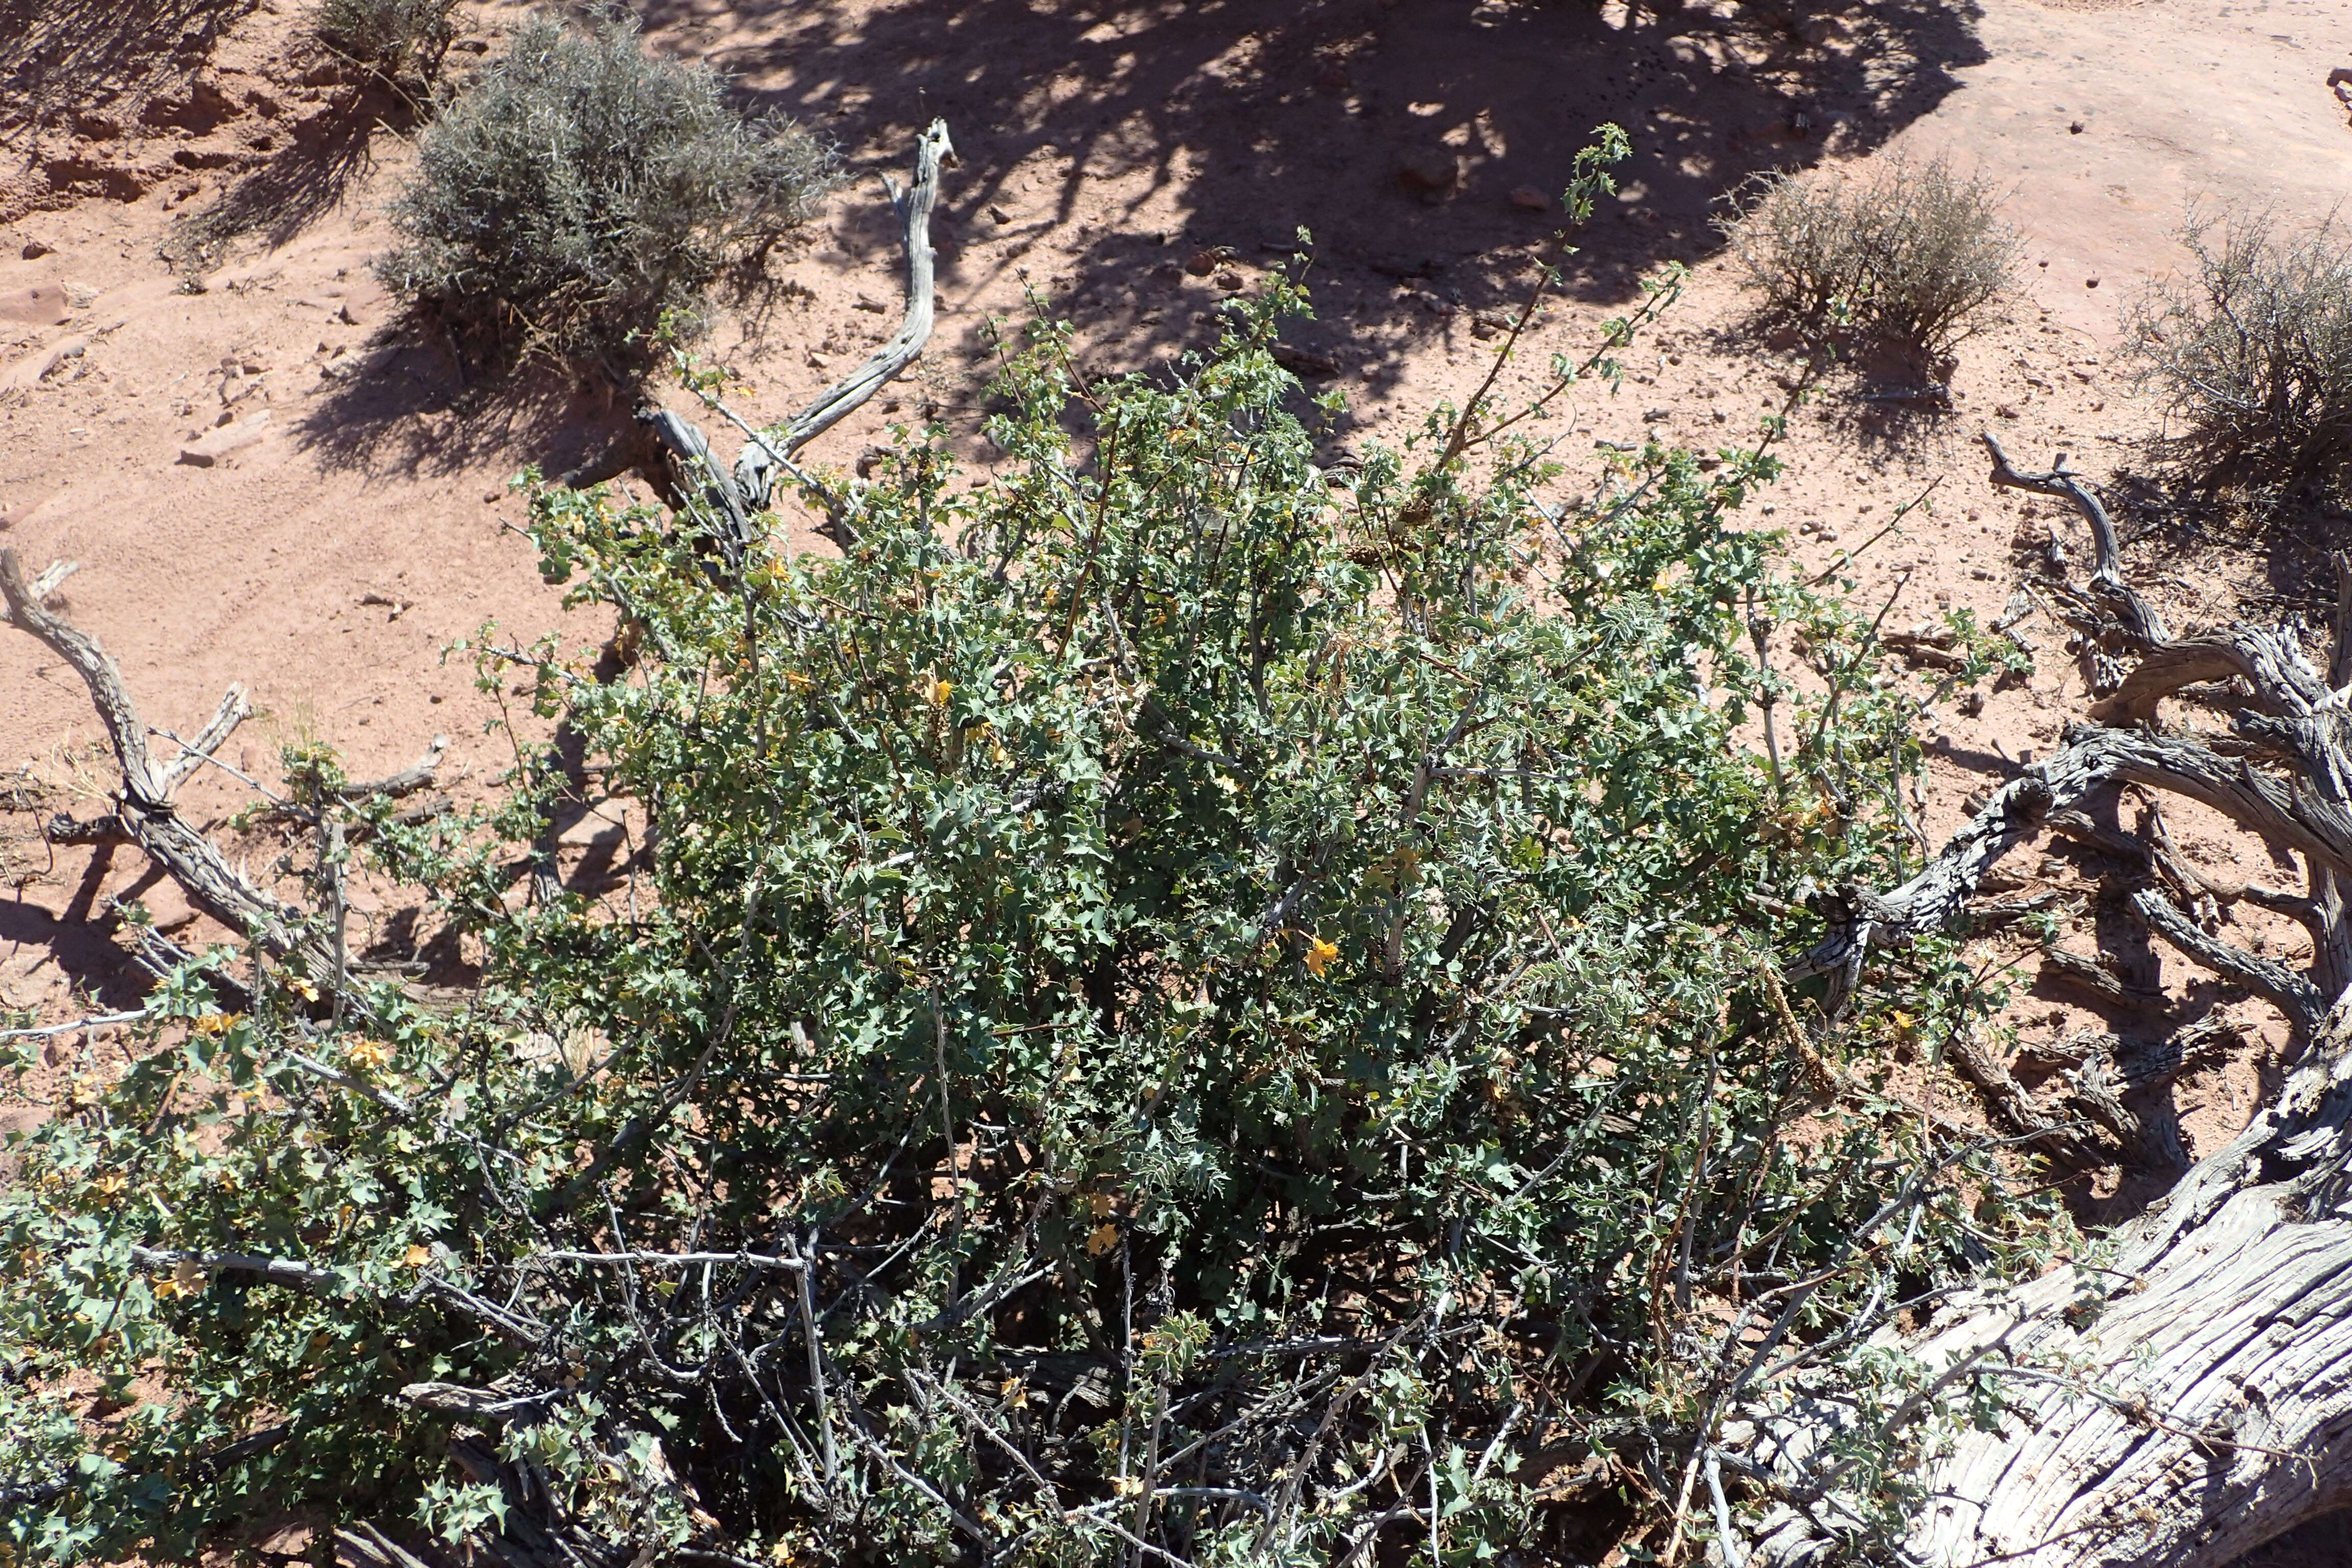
(208, 449)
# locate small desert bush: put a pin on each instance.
(1914, 255)
(2252, 349)
(579, 191)
(391, 38)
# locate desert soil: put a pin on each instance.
(208, 401)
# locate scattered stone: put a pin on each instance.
(1231, 282)
(2090, 282)
(868, 303)
(2076, 129)
(42, 305)
(1203, 262)
(206, 450)
(1432, 171)
(1000, 216)
(1305, 361)
(35, 367)
(1528, 199)
(33, 250)
(352, 362)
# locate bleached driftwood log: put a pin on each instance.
(2190, 1397)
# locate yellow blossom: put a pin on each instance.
(1102, 1240)
(418, 1256)
(1319, 955)
(369, 1054)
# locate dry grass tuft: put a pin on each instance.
(2252, 349)
(1911, 256)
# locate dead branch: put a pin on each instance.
(143, 813)
(2252, 1435)
(724, 502)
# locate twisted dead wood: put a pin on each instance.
(2191, 1397)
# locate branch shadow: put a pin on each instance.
(69, 61)
(1395, 130)
(297, 185)
(405, 404)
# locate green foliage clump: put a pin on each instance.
(1168, 1002)
(2252, 352)
(1914, 255)
(391, 38)
(579, 193)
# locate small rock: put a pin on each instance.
(1528, 199)
(1826, 536)
(998, 216)
(42, 305)
(1201, 263)
(35, 368)
(1432, 171)
(2003, 411)
(1973, 702)
(206, 450)
(1230, 282)
(1656, 416)
(1305, 361)
(343, 315)
(2076, 129)
(866, 302)
(2090, 282)
(33, 250)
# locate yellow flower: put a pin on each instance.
(1099, 1206)
(1319, 955)
(935, 691)
(112, 1183)
(369, 1054)
(418, 1256)
(1101, 1239)
(216, 1023)
(305, 989)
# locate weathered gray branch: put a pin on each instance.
(724, 503)
(2191, 1397)
(143, 803)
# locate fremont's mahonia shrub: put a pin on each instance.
(1169, 999)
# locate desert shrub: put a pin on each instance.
(1166, 1003)
(579, 191)
(1911, 255)
(2252, 351)
(392, 38)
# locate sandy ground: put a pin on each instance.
(188, 200)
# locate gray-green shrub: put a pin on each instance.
(579, 191)
(2252, 351)
(1254, 1007)
(391, 38)
(1912, 255)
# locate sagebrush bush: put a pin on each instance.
(392, 38)
(1915, 256)
(579, 193)
(2252, 352)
